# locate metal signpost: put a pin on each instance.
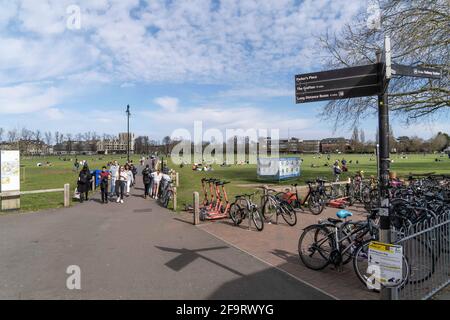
(362, 81)
(128, 133)
(420, 72)
(344, 83)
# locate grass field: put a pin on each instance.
(36, 178)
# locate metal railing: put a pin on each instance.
(426, 246)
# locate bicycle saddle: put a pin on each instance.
(310, 182)
(321, 180)
(343, 214)
(332, 220)
(294, 185)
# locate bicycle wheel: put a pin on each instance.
(167, 198)
(288, 213)
(361, 268)
(314, 247)
(365, 195)
(316, 204)
(236, 214)
(269, 208)
(421, 259)
(258, 220)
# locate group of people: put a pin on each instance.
(338, 168)
(117, 180)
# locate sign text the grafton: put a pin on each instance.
(338, 84)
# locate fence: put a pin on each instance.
(66, 191)
(426, 246)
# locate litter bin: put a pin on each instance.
(95, 174)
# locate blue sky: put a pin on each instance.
(230, 64)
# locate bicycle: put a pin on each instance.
(166, 192)
(313, 199)
(273, 206)
(244, 207)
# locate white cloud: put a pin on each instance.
(223, 118)
(54, 114)
(257, 92)
(127, 85)
(169, 104)
(184, 41)
(26, 98)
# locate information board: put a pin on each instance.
(278, 168)
(9, 171)
(386, 261)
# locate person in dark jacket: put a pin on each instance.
(134, 172)
(104, 178)
(147, 179)
(84, 183)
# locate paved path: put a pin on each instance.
(136, 250)
(277, 245)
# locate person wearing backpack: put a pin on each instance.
(104, 177)
(84, 183)
(147, 179)
(336, 171)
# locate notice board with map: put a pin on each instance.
(9, 171)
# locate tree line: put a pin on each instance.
(409, 144)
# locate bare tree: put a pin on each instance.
(419, 32)
(57, 137)
(13, 135)
(1, 134)
(48, 137)
(38, 135)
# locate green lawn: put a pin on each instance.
(241, 175)
(56, 176)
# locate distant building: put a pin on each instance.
(76, 147)
(310, 146)
(330, 145)
(117, 146)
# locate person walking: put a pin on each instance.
(134, 172)
(114, 170)
(129, 174)
(84, 183)
(147, 179)
(157, 176)
(121, 182)
(104, 178)
(336, 171)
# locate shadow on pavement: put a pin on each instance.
(265, 285)
(187, 256)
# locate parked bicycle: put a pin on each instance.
(243, 207)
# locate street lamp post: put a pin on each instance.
(128, 132)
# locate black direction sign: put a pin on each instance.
(338, 84)
(421, 72)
